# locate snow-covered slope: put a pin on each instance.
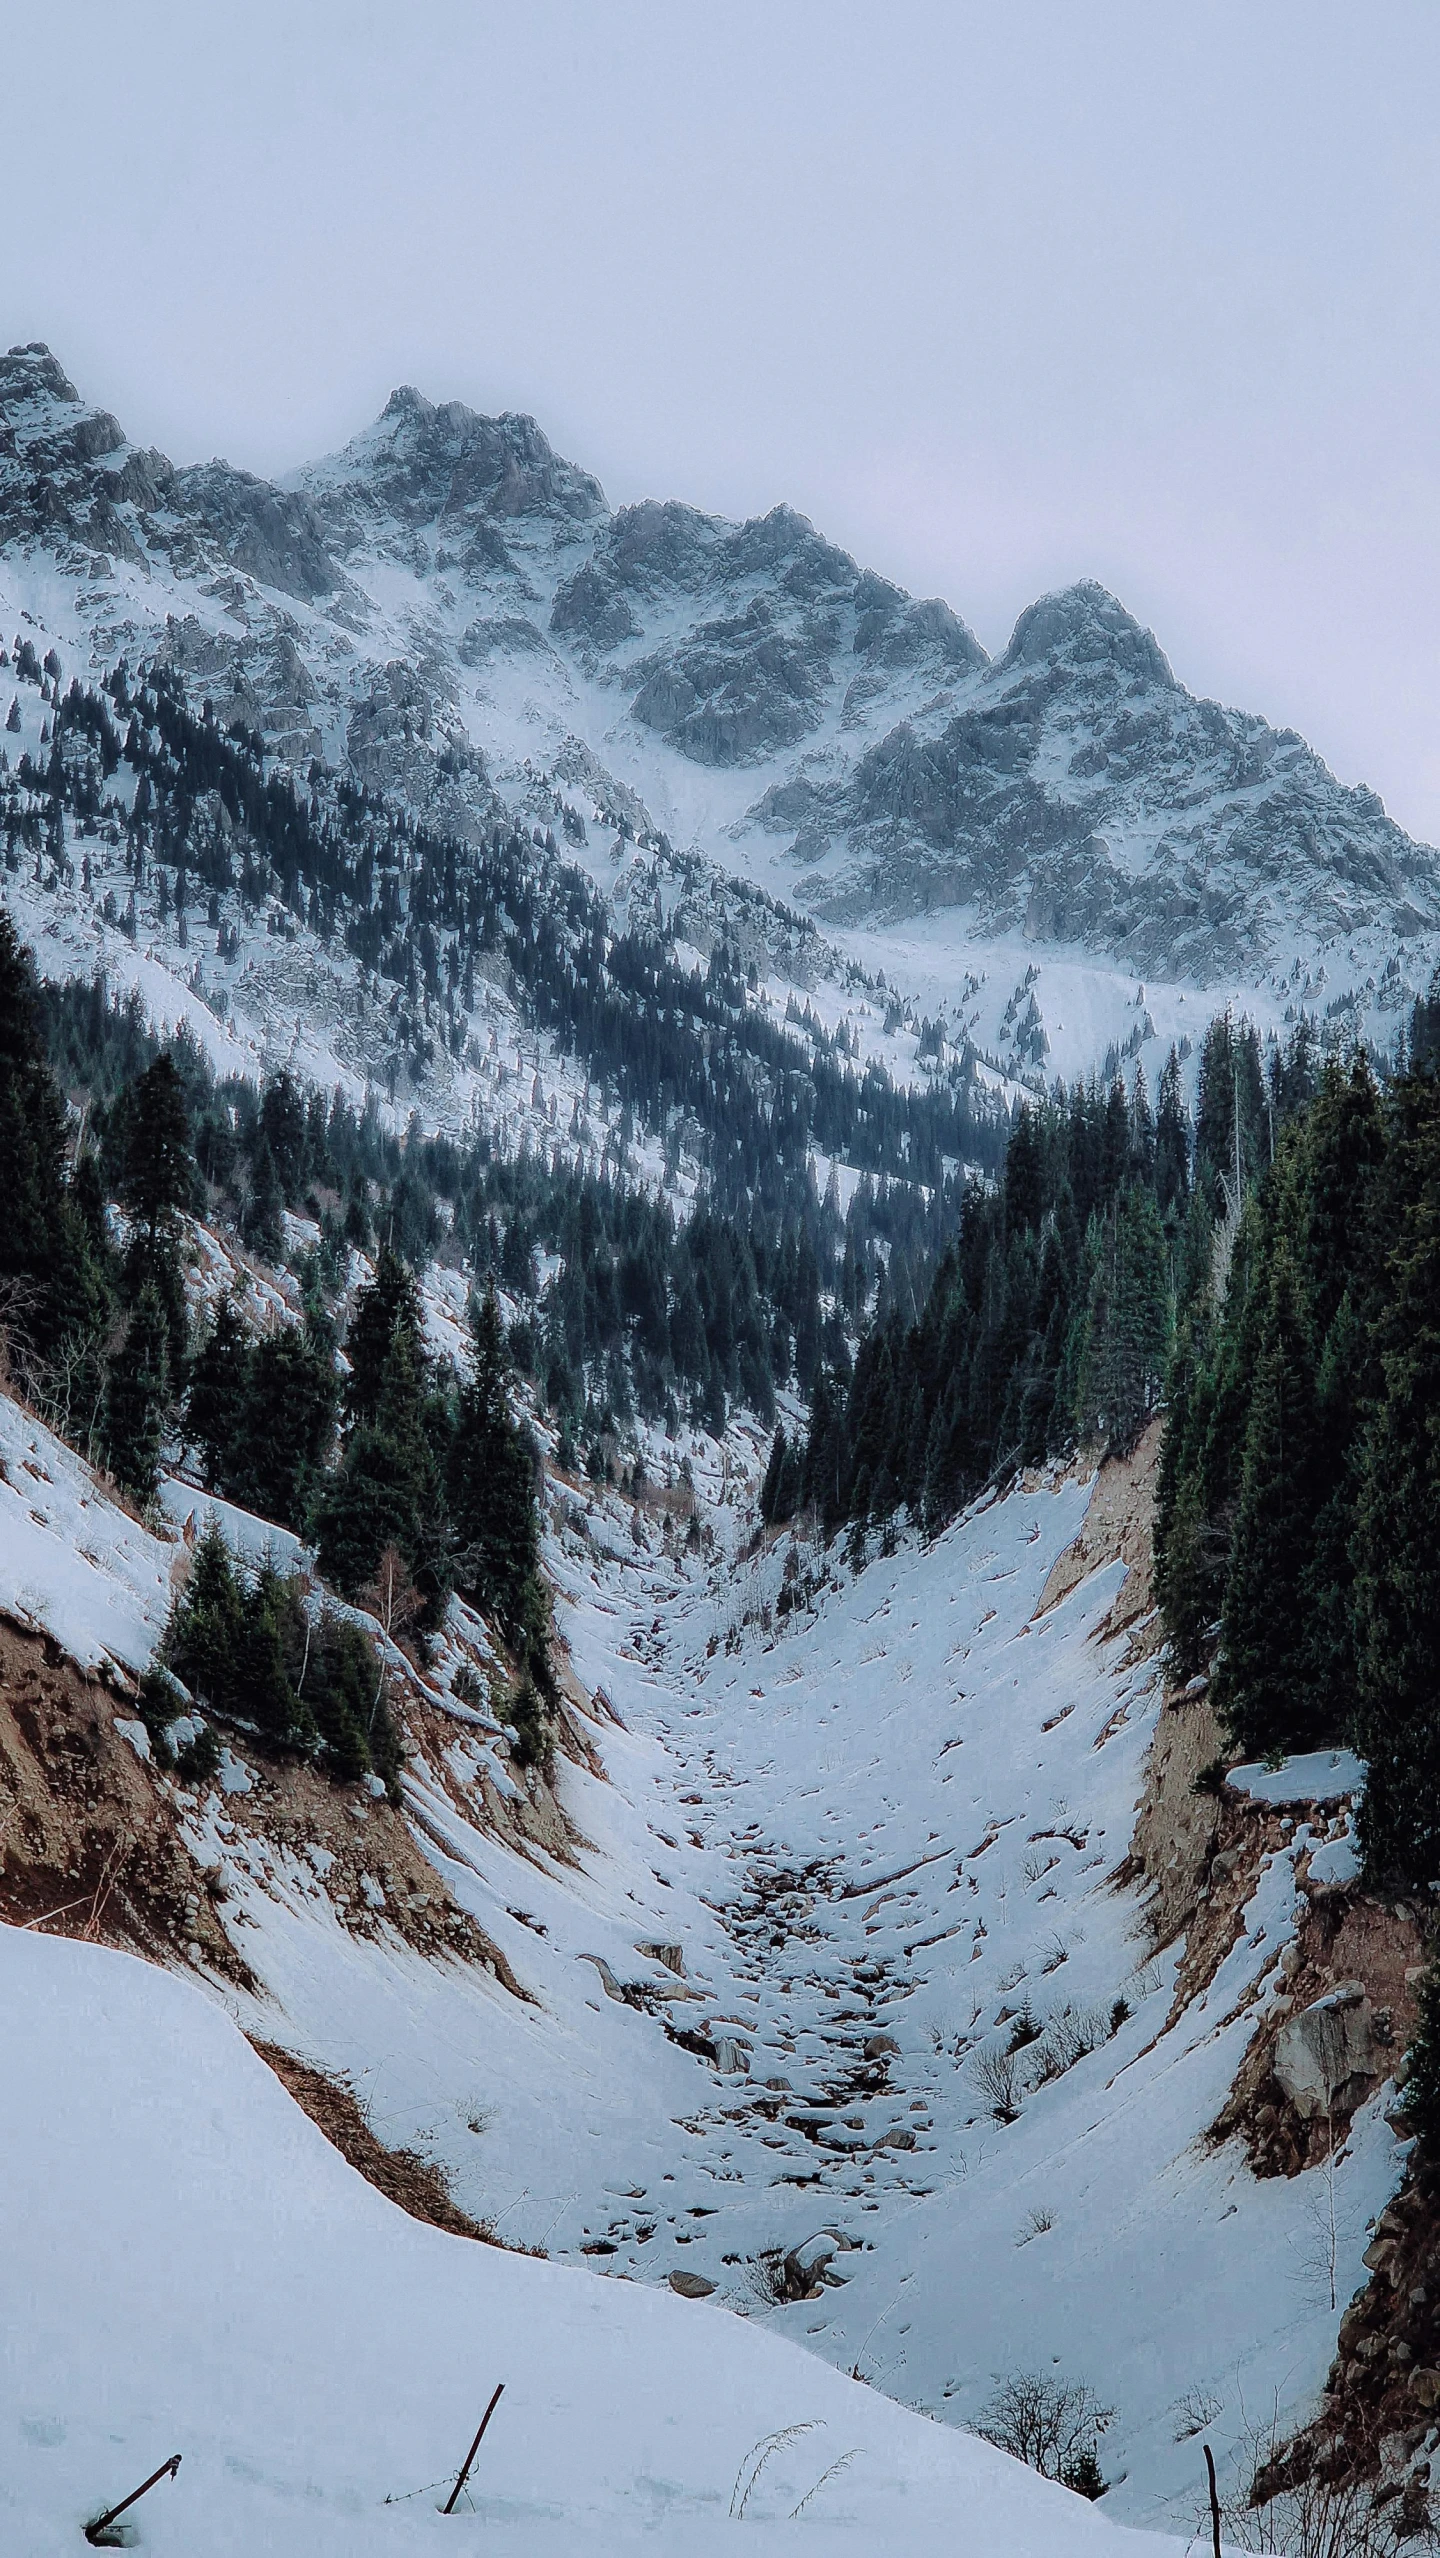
(187, 2266)
(450, 611)
(818, 1871)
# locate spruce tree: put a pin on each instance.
(284, 1427)
(388, 1305)
(774, 1474)
(1172, 1144)
(159, 1168)
(215, 1403)
(204, 1640)
(1260, 1689)
(54, 1280)
(492, 1486)
(137, 1398)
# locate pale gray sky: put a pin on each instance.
(998, 296)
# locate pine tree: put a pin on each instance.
(215, 1403)
(159, 1167)
(1172, 1144)
(774, 1474)
(54, 1282)
(492, 1487)
(389, 1305)
(137, 1398)
(204, 1640)
(1260, 1689)
(1128, 1320)
(284, 1427)
(389, 1490)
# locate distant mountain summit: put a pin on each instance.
(452, 610)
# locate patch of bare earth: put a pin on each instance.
(89, 1841)
(401, 2174)
(1117, 1529)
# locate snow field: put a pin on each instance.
(187, 2265)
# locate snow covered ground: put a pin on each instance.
(188, 2266)
(837, 1863)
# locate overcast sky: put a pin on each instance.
(999, 297)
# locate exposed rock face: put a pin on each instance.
(447, 470)
(1079, 794)
(271, 534)
(1327, 2056)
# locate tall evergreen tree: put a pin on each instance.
(54, 1283)
(1256, 1688)
(137, 1402)
(492, 1489)
(215, 1403)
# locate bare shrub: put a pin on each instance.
(1332, 2518)
(1067, 2039)
(1052, 2425)
(1193, 2411)
(1038, 2222)
(997, 2076)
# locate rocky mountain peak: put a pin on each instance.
(429, 464)
(33, 373)
(1086, 626)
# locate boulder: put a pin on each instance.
(690, 2286)
(1327, 2057)
(672, 1956)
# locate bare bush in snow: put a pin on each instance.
(1053, 2425)
(997, 2076)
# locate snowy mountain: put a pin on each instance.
(451, 613)
(861, 1948)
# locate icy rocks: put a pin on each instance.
(1327, 2055)
(690, 2286)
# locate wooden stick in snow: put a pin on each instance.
(449, 2508)
(1214, 2498)
(103, 2522)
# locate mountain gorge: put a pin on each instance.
(716, 1496)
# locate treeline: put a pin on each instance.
(644, 1313)
(131, 768)
(1049, 1317)
(1298, 1526)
